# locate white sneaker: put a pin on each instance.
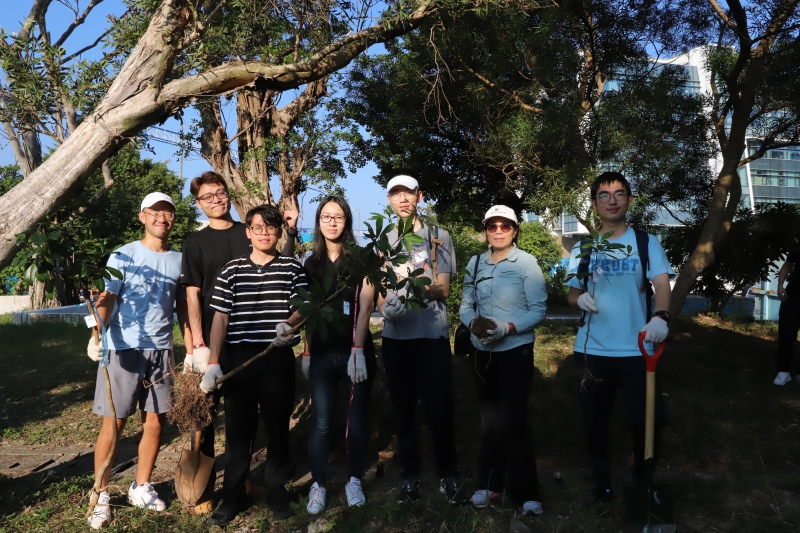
(529, 508)
(482, 498)
(355, 495)
(316, 499)
(782, 378)
(101, 512)
(145, 496)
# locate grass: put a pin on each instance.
(730, 450)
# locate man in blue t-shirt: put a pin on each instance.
(137, 309)
(606, 347)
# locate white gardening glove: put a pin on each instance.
(283, 334)
(393, 307)
(586, 302)
(357, 371)
(188, 363)
(200, 362)
(305, 365)
(656, 330)
(209, 381)
(499, 330)
(94, 350)
(479, 343)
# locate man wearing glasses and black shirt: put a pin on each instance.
(205, 252)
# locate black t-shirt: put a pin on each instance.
(339, 336)
(793, 286)
(205, 252)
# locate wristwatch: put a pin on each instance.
(291, 232)
(663, 315)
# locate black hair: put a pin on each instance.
(316, 261)
(269, 214)
(607, 178)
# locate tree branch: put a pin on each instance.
(721, 13)
(86, 48)
(38, 10)
(77, 22)
(491, 85)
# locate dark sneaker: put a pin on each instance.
(449, 487)
(223, 514)
(602, 496)
(409, 492)
(279, 502)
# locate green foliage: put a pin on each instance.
(9, 177)
(747, 256)
(375, 262)
(68, 250)
(502, 108)
(535, 239)
(466, 243)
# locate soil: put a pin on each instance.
(481, 325)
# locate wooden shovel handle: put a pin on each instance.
(95, 334)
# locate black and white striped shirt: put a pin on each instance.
(257, 299)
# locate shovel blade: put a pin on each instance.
(192, 476)
(651, 505)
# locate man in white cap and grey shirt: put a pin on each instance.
(416, 348)
(137, 311)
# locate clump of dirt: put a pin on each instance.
(191, 407)
(481, 325)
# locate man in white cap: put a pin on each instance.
(416, 348)
(137, 310)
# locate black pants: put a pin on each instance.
(788, 325)
(268, 384)
(503, 381)
(597, 393)
(325, 373)
(421, 367)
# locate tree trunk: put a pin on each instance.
(140, 97)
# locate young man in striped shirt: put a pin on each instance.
(251, 304)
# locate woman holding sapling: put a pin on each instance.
(345, 353)
(502, 305)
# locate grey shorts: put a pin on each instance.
(139, 378)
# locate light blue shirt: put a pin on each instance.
(146, 294)
(614, 330)
(515, 292)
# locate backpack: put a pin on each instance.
(643, 249)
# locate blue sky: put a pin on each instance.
(362, 192)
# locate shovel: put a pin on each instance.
(649, 505)
(193, 474)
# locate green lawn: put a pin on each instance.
(731, 448)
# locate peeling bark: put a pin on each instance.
(139, 98)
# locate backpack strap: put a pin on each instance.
(643, 249)
(583, 269)
(474, 284)
(434, 244)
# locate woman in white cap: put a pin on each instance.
(502, 309)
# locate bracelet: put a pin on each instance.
(354, 346)
(199, 346)
(512, 328)
(305, 354)
(214, 363)
(291, 232)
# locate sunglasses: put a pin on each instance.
(505, 227)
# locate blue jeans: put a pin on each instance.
(325, 372)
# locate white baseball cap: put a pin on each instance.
(501, 211)
(154, 198)
(404, 180)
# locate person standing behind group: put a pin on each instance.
(345, 353)
(205, 252)
(618, 306)
(252, 311)
(513, 298)
(137, 309)
(788, 317)
(416, 348)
